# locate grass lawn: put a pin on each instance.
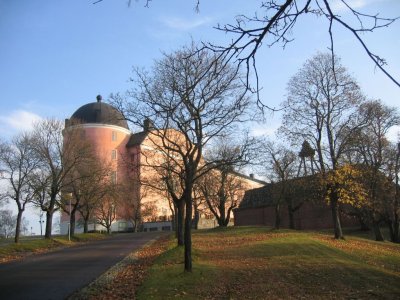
(260, 263)
(12, 251)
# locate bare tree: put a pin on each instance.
(89, 202)
(149, 211)
(198, 205)
(106, 213)
(372, 146)
(58, 160)
(281, 168)
(160, 177)
(274, 21)
(394, 214)
(89, 190)
(222, 188)
(88, 186)
(7, 223)
(192, 97)
(132, 206)
(322, 109)
(17, 165)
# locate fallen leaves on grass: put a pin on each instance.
(19, 251)
(124, 285)
(9, 258)
(374, 253)
(266, 264)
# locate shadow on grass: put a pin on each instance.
(282, 264)
(167, 278)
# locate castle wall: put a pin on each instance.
(308, 217)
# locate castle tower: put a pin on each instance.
(106, 130)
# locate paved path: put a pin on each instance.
(57, 274)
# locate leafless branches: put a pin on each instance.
(274, 23)
(192, 97)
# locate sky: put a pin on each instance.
(56, 56)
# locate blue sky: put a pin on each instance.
(58, 55)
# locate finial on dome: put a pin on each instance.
(99, 98)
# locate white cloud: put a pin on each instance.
(394, 134)
(264, 130)
(185, 24)
(339, 6)
(18, 120)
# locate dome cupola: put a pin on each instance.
(99, 113)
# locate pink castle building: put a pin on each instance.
(106, 129)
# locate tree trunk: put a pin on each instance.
(312, 165)
(363, 224)
(222, 213)
(377, 231)
(396, 229)
(305, 166)
(335, 215)
(196, 219)
(396, 223)
(18, 227)
(391, 230)
(49, 224)
(179, 231)
(222, 222)
(174, 221)
(72, 223)
(277, 215)
(290, 213)
(134, 225)
(188, 234)
(228, 216)
(138, 220)
(85, 226)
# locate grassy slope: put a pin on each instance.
(13, 251)
(251, 262)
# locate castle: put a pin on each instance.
(106, 129)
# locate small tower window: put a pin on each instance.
(113, 154)
(114, 136)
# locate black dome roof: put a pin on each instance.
(101, 113)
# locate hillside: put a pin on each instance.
(260, 263)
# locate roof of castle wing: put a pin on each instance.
(137, 139)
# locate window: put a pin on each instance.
(114, 177)
(114, 154)
(113, 136)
